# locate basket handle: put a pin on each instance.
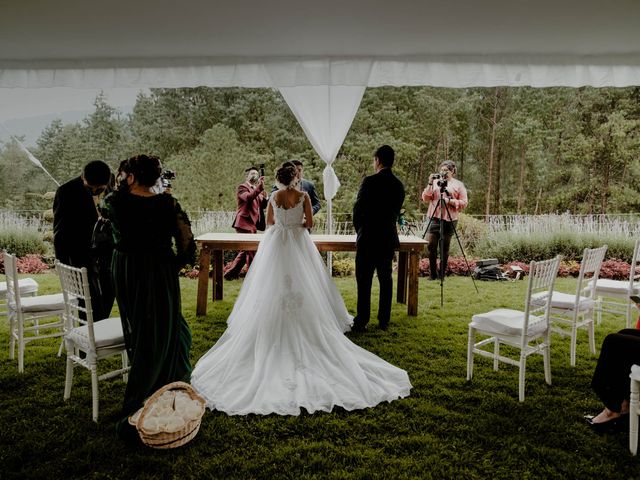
(149, 401)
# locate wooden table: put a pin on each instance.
(216, 243)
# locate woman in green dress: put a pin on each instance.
(147, 227)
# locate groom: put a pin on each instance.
(375, 215)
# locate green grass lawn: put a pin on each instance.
(447, 428)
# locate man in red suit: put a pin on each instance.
(251, 199)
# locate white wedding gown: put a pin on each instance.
(284, 346)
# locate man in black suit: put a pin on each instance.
(74, 218)
(375, 215)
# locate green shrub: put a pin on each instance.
(343, 267)
(22, 242)
(471, 231)
(506, 246)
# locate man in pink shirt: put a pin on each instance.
(454, 194)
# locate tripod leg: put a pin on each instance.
(442, 262)
(455, 231)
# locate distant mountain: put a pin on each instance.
(32, 127)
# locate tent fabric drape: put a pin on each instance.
(325, 114)
(439, 71)
(325, 111)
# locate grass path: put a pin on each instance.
(447, 428)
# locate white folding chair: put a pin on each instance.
(29, 317)
(28, 287)
(570, 312)
(528, 330)
(96, 340)
(634, 408)
(620, 290)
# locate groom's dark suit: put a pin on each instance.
(375, 215)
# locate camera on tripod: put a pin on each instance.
(166, 177)
(440, 180)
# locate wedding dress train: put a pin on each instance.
(284, 347)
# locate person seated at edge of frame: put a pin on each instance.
(611, 380)
(443, 220)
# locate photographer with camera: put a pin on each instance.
(444, 215)
(251, 199)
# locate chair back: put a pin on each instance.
(542, 276)
(13, 289)
(634, 271)
(592, 259)
(77, 299)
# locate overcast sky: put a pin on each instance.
(30, 102)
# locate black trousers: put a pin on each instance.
(368, 261)
(611, 377)
(232, 271)
(434, 240)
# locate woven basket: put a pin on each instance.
(168, 439)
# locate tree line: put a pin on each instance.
(519, 150)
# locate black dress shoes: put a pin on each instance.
(358, 326)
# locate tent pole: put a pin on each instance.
(329, 231)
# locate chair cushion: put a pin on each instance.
(43, 303)
(27, 286)
(504, 321)
(606, 286)
(566, 301)
(107, 333)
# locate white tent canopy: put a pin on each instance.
(457, 43)
(319, 52)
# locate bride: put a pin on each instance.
(284, 347)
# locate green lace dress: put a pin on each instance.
(153, 241)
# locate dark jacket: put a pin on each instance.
(310, 188)
(74, 216)
(375, 213)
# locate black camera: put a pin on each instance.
(166, 177)
(440, 180)
(262, 169)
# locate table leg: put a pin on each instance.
(203, 280)
(402, 278)
(218, 267)
(412, 304)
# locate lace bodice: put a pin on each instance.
(288, 217)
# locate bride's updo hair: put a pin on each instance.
(286, 174)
